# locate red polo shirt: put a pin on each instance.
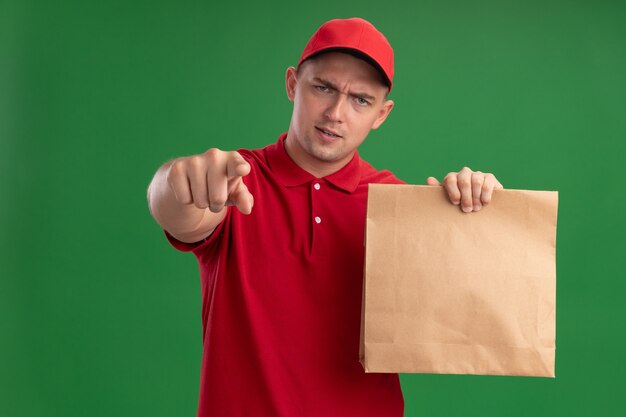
(281, 297)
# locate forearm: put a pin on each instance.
(185, 222)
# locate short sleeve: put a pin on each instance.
(212, 239)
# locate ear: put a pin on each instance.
(290, 82)
(382, 115)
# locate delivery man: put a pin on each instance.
(278, 236)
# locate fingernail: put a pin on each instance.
(456, 203)
(477, 207)
(467, 209)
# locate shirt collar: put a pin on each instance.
(291, 175)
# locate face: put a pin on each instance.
(337, 100)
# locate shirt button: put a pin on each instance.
(317, 186)
(318, 220)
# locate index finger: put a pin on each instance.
(236, 166)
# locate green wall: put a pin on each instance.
(99, 316)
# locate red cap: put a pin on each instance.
(357, 35)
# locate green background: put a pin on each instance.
(99, 316)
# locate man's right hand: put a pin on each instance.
(187, 196)
(211, 180)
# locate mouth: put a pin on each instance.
(328, 133)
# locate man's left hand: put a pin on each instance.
(471, 189)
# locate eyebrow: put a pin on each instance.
(333, 86)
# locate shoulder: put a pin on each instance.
(259, 157)
(370, 175)
(259, 160)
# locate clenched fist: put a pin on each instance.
(211, 180)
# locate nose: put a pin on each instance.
(335, 111)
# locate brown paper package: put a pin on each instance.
(448, 292)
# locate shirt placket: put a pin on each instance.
(317, 189)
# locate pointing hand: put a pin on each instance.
(211, 180)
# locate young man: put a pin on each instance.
(278, 235)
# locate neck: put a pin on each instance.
(314, 166)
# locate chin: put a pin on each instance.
(324, 153)
(328, 155)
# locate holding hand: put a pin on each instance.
(212, 179)
(470, 189)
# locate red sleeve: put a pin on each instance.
(196, 247)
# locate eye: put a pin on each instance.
(322, 88)
(361, 101)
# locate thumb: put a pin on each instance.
(432, 181)
(236, 166)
